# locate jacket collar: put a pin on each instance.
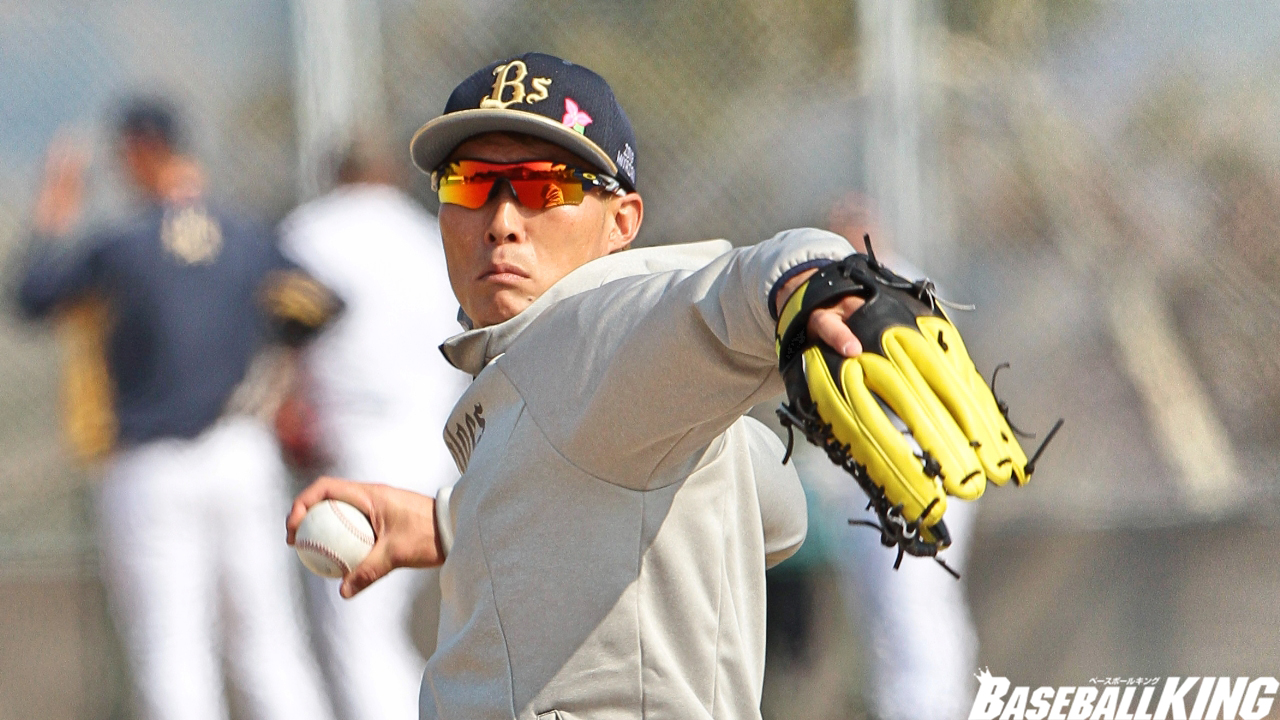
(472, 350)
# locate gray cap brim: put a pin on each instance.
(434, 141)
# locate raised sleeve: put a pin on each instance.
(631, 380)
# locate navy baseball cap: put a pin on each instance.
(539, 95)
(151, 118)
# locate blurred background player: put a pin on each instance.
(919, 640)
(381, 393)
(171, 309)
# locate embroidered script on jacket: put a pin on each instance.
(462, 438)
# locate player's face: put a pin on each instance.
(503, 255)
(144, 162)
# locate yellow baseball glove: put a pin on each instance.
(910, 418)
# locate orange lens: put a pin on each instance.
(548, 193)
(457, 190)
(537, 185)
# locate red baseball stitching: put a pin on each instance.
(360, 534)
(318, 548)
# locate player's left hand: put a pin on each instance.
(404, 527)
(827, 324)
(914, 375)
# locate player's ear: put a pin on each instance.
(627, 214)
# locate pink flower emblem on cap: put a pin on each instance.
(575, 118)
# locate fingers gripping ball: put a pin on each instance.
(914, 373)
(333, 538)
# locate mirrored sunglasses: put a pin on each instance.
(537, 185)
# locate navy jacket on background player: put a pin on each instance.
(185, 286)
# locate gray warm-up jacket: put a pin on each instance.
(607, 541)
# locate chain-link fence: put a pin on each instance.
(753, 117)
(1106, 194)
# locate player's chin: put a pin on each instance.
(505, 302)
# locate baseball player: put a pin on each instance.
(183, 295)
(604, 550)
(381, 392)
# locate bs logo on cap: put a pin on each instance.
(511, 76)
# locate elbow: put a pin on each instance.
(775, 555)
(30, 301)
(784, 540)
(37, 288)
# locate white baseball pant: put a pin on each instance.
(195, 565)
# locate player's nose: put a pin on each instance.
(506, 224)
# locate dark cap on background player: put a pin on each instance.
(152, 119)
(539, 95)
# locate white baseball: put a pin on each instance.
(333, 538)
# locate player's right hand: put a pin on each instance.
(61, 197)
(404, 527)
